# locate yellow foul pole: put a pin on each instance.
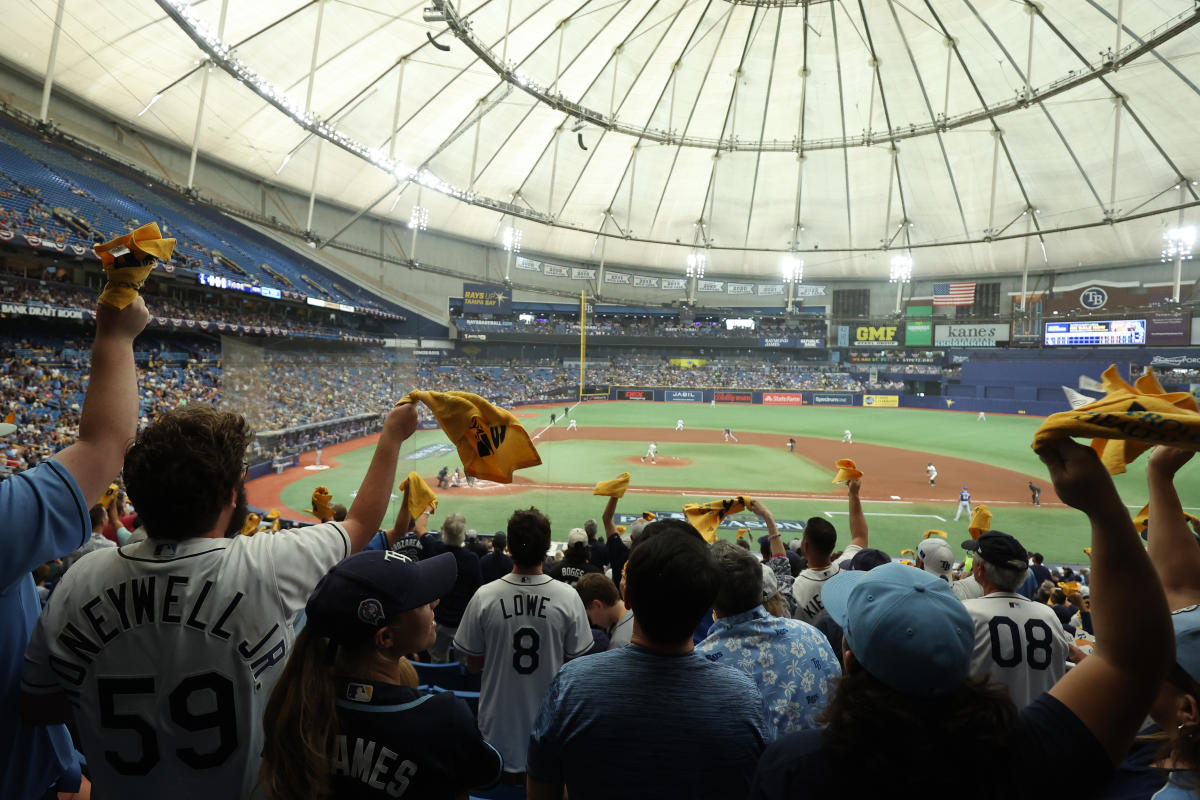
(582, 339)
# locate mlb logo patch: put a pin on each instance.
(359, 692)
(165, 549)
(370, 611)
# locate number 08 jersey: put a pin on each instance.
(524, 627)
(169, 650)
(1019, 643)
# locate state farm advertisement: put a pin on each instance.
(782, 399)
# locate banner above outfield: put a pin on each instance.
(790, 341)
(731, 523)
(881, 400)
(970, 335)
(482, 298)
(874, 334)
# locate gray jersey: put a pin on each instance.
(169, 650)
(622, 632)
(808, 585)
(1019, 643)
(525, 627)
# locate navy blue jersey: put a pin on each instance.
(394, 741)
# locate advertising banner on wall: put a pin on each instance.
(710, 286)
(645, 282)
(970, 335)
(770, 289)
(876, 334)
(481, 298)
(918, 332)
(832, 399)
(782, 399)
(674, 283)
(810, 290)
(555, 271)
(683, 396)
(528, 264)
(734, 397)
(881, 400)
(790, 341)
(617, 277)
(843, 335)
(635, 394)
(580, 274)
(739, 288)
(1169, 328)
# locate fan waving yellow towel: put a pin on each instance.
(322, 502)
(846, 471)
(614, 488)
(929, 533)
(250, 526)
(981, 521)
(128, 259)
(1128, 420)
(707, 517)
(109, 495)
(420, 497)
(1142, 519)
(490, 441)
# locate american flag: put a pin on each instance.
(954, 294)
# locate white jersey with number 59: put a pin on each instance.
(525, 627)
(1019, 643)
(169, 650)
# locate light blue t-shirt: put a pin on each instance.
(1181, 785)
(682, 726)
(45, 517)
(791, 661)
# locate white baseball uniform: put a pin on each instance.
(846, 437)
(571, 425)
(982, 416)
(169, 650)
(932, 471)
(964, 503)
(807, 588)
(1019, 643)
(678, 424)
(525, 627)
(650, 451)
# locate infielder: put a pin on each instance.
(1036, 493)
(650, 451)
(964, 503)
(169, 648)
(729, 435)
(847, 437)
(931, 470)
(519, 630)
(571, 426)
(678, 424)
(791, 445)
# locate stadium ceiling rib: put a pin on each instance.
(642, 129)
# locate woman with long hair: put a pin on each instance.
(345, 719)
(907, 707)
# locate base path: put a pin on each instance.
(891, 474)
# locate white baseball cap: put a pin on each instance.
(577, 535)
(937, 557)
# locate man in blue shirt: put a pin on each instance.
(46, 514)
(791, 661)
(686, 727)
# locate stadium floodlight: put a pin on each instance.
(793, 269)
(695, 265)
(418, 220)
(901, 272)
(1178, 242)
(512, 239)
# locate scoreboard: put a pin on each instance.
(1111, 332)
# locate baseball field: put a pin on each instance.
(890, 445)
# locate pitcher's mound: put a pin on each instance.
(659, 461)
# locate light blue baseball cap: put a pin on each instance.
(904, 626)
(1186, 622)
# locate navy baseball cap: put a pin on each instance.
(905, 626)
(866, 559)
(999, 548)
(361, 593)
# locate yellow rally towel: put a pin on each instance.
(11, 418)
(110, 494)
(621, 529)
(907, 552)
(981, 521)
(706, 517)
(128, 259)
(1128, 420)
(273, 518)
(1087, 551)
(614, 488)
(1069, 587)
(932, 532)
(250, 526)
(649, 516)
(1142, 519)
(743, 533)
(321, 502)
(490, 441)
(846, 471)
(420, 496)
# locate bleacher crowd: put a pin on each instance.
(155, 644)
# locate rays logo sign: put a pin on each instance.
(1093, 298)
(487, 441)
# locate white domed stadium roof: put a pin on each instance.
(836, 129)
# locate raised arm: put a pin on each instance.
(1112, 689)
(108, 421)
(773, 538)
(370, 505)
(858, 522)
(1172, 545)
(610, 510)
(403, 517)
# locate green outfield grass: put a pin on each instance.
(1003, 441)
